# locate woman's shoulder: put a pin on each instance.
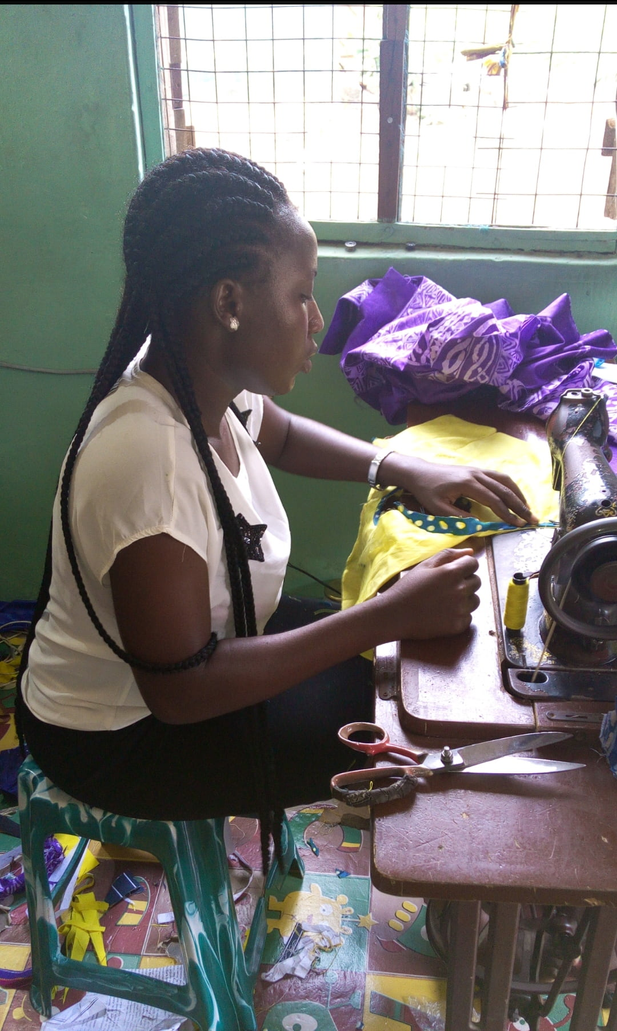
(137, 474)
(136, 432)
(137, 393)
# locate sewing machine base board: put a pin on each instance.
(454, 687)
(580, 672)
(567, 685)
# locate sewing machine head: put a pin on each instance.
(577, 433)
(564, 659)
(578, 578)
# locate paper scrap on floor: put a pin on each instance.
(106, 1013)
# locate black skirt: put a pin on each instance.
(164, 771)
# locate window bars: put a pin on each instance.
(500, 114)
(295, 88)
(506, 113)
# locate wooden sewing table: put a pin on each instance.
(508, 841)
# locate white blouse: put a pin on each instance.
(138, 473)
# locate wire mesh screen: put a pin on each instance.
(511, 115)
(294, 87)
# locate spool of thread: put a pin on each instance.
(516, 602)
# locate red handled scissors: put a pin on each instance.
(485, 757)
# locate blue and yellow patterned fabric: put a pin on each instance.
(457, 526)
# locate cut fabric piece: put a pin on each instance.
(405, 339)
(81, 926)
(458, 526)
(395, 543)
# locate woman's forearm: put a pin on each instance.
(434, 599)
(244, 671)
(310, 448)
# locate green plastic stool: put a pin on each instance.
(220, 975)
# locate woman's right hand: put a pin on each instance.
(160, 589)
(435, 598)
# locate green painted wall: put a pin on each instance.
(70, 150)
(69, 161)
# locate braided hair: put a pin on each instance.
(200, 216)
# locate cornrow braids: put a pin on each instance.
(198, 217)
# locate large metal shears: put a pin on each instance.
(485, 757)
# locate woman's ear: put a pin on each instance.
(226, 298)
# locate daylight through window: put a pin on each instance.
(508, 111)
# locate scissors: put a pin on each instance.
(486, 757)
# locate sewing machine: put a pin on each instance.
(560, 670)
(567, 649)
(526, 843)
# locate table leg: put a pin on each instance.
(501, 949)
(463, 944)
(597, 958)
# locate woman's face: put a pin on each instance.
(278, 318)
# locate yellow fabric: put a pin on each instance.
(10, 738)
(68, 842)
(80, 923)
(9, 667)
(81, 926)
(88, 863)
(395, 544)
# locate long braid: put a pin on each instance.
(114, 361)
(196, 218)
(126, 340)
(242, 598)
(242, 601)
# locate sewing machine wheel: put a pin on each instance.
(586, 557)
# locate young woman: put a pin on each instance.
(150, 688)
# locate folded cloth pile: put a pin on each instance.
(405, 339)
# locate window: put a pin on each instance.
(453, 114)
(295, 88)
(506, 115)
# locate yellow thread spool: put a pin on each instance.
(516, 602)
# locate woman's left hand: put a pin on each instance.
(437, 487)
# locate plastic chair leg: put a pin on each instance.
(43, 932)
(200, 889)
(220, 976)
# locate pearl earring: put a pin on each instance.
(234, 324)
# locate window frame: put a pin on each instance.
(386, 230)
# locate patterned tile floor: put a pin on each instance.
(371, 965)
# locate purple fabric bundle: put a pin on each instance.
(406, 339)
(14, 883)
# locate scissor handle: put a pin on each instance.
(404, 781)
(368, 747)
(382, 744)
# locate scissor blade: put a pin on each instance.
(519, 764)
(483, 751)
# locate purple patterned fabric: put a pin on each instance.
(405, 339)
(14, 883)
